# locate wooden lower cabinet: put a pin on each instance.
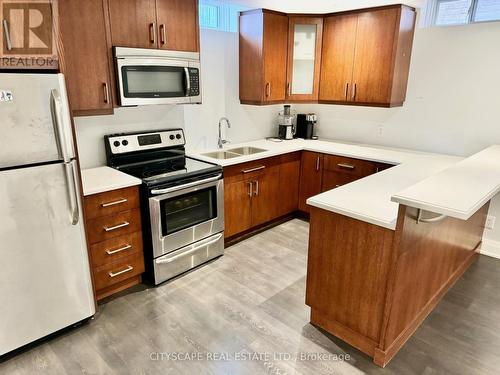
(115, 240)
(311, 176)
(258, 192)
(372, 287)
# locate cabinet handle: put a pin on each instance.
(253, 169)
(152, 33)
(115, 227)
(346, 90)
(114, 274)
(250, 189)
(336, 186)
(289, 89)
(106, 92)
(7, 35)
(163, 34)
(347, 166)
(268, 90)
(119, 250)
(114, 203)
(317, 163)
(256, 188)
(354, 92)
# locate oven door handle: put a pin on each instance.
(209, 241)
(185, 186)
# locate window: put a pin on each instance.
(219, 15)
(459, 12)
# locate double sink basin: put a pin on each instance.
(234, 152)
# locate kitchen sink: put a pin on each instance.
(247, 150)
(234, 152)
(221, 155)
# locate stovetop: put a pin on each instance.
(161, 171)
(157, 157)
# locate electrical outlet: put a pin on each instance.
(490, 222)
(380, 131)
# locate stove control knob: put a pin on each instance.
(116, 143)
(172, 137)
(178, 136)
(124, 142)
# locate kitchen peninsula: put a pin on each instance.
(385, 248)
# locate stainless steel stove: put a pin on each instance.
(182, 200)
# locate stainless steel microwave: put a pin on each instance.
(151, 76)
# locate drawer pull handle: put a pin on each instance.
(253, 169)
(114, 274)
(115, 227)
(338, 186)
(348, 166)
(120, 249)
(114, 203)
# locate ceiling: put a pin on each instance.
(320, 6)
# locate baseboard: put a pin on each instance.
(490, 248)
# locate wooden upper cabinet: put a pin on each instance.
(337, 63)
(373, 47)
(178, 27)
(263, 56)
(133, 23)
(304, 57)
(84, 56)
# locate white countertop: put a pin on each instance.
(369, 199)
(101, 179)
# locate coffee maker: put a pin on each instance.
(285, 123)
(305, 125)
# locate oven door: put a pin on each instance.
(185, 214)
(144, 81)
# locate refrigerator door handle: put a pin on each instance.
(56, 107)
(72, 191)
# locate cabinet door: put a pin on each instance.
(178, 25)
(304, 58)
(332, 180)
(289, 186)
(266, 197)
(133, 23)
(275, 39)
(373, 61)
(337, 61)
(311, 171)
(85, 55)
(237, 207)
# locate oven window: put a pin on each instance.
(187, 210)
(153, 81)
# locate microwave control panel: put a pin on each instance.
(194, 81)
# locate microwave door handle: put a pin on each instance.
(188, 82)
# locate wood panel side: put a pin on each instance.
(403, 51)
(347, 271)
(429, 258)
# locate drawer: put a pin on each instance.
(109, 251)
(111, 226)
(249, 170)
(332, 180)
(118, 271)
(111, 202)
(350, 166)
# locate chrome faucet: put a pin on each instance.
(221, 142)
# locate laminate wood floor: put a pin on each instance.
(245, 314)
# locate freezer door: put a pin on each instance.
(35, 125)
(45, 282)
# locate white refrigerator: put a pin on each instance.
(45, 282)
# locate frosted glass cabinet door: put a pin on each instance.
(305, 35)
